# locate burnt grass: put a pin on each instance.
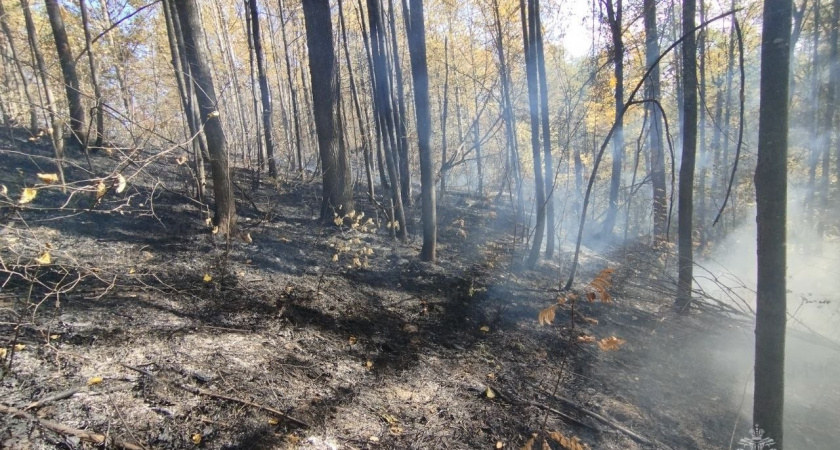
(396, 353)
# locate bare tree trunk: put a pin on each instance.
(530, 36)
(771, 202)
(686, 194)
(546, 133)
(337, 180)
(264, 90)
(127, 99)
(444, 114)
(228, 54)
(366, 147)
(292, 91)
(78, 117)
(657, 158)
(704, 150)
(399, 113)
(255, 101)
(614, 18)
(829, 117)
(97, 92)
(57, 134)
(420, 75)
(33, 113)
(193, 33)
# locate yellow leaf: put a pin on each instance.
(338, 221)
(121, 183)
(181, 160)
(27, 196)
(530, 444)
(207, 278)
(485, 329)
(48, 178)
(335, 258)
(44, 259)
(213, 114)
(273, 421)
(546, 316)
(94, 380)
(101, 189)
(489, 393)
(585, 338)
(374, 439)
(246, 237)
(4, 191)
(2, 352)
(500, 445)
(196, 438)
(352, 340)
(19, 347)
(131, 271)
(369, 364)
(54, 336)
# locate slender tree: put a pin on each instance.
(265, 92)
(420, 76)
(529, 38)
(335, 167)
(7, 32)
(771, 203)
(94, 78)
(196, 55)
(689, 150)
(614, 19)
(546, 134)
(657, 155)
(78, 116)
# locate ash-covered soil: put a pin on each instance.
(206, 342)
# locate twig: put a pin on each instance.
(52, 398)
(64, 429)
(562, 415)
(602, 419)
(206, 393)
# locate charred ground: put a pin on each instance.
(383, 352)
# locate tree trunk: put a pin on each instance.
(689, 132)
(127, 99)
(546, 135)
(444, 114)
(657, 154)
(614, 18)
(530, 36)
(196, 55)
(771, 202)
(400, 114)
(97, 92)
(828, 118)
(335, 168)
(255, 101)
(420, 76)
(704, 150)
(78, 117)
(264, 90)
(57, 131)
(292, 91)
(33, 113)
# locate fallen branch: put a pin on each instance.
(52, 398)
(604, 420)
(64, 429)
(562, 415)
(206, 393)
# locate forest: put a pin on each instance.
(419, 224)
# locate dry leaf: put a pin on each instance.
(196, 438)
(485, 329)
(489, 393)
(44, 259)
(273, 421)
(369, 364)
(374, 439)
(121, 184)
(585, 339)
(4, 191)
(19, 347)
(352, 340)
(335, 258)
(395, 430)
(27, 195)
(2, 352)
(246, 237)
(101, 189)
(500, 445)
(207, 278)
(54, 336)
(181, 160)
(530, 444)
(611, 343)
(94, 380)
(48, 178)
(546, 316)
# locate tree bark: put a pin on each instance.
(657, 154)
(196, 55)
(78, 117)
(94, 80)
(420, 76)
(614, 18)
(828, 119)
(546, 135)
(335, 168)
(399, 112)
(689, 142)
(771, 202)
(530, 36)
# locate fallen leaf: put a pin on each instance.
(489, 393)
(19, 347)
(374, 439)
(131, 271)
(352, 340)
(2, 352)
(369, 364)
(27, 195)
(207, 278)
(485, 329)
(94, 380)
(48, 178)
(101, 189)
(54, 336)
(196, 438)
(44, 259)
(499, 445)
(584, 339)
(4, 191)
(273, 421)
(611, 343)
(121, 183)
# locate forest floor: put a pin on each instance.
(147, 329)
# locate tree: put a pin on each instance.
(265, 92)
(546, 135)
(33, 114)
(689, 150)
(657, 155)
(94, 80)
(420, 75)
(614, 19)
(78, 117)
(771, 203)
(197, 57)
(335, 167)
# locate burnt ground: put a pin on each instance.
(283, 347)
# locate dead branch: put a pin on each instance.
(206, 393)
(64, 429)
(52, 398)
